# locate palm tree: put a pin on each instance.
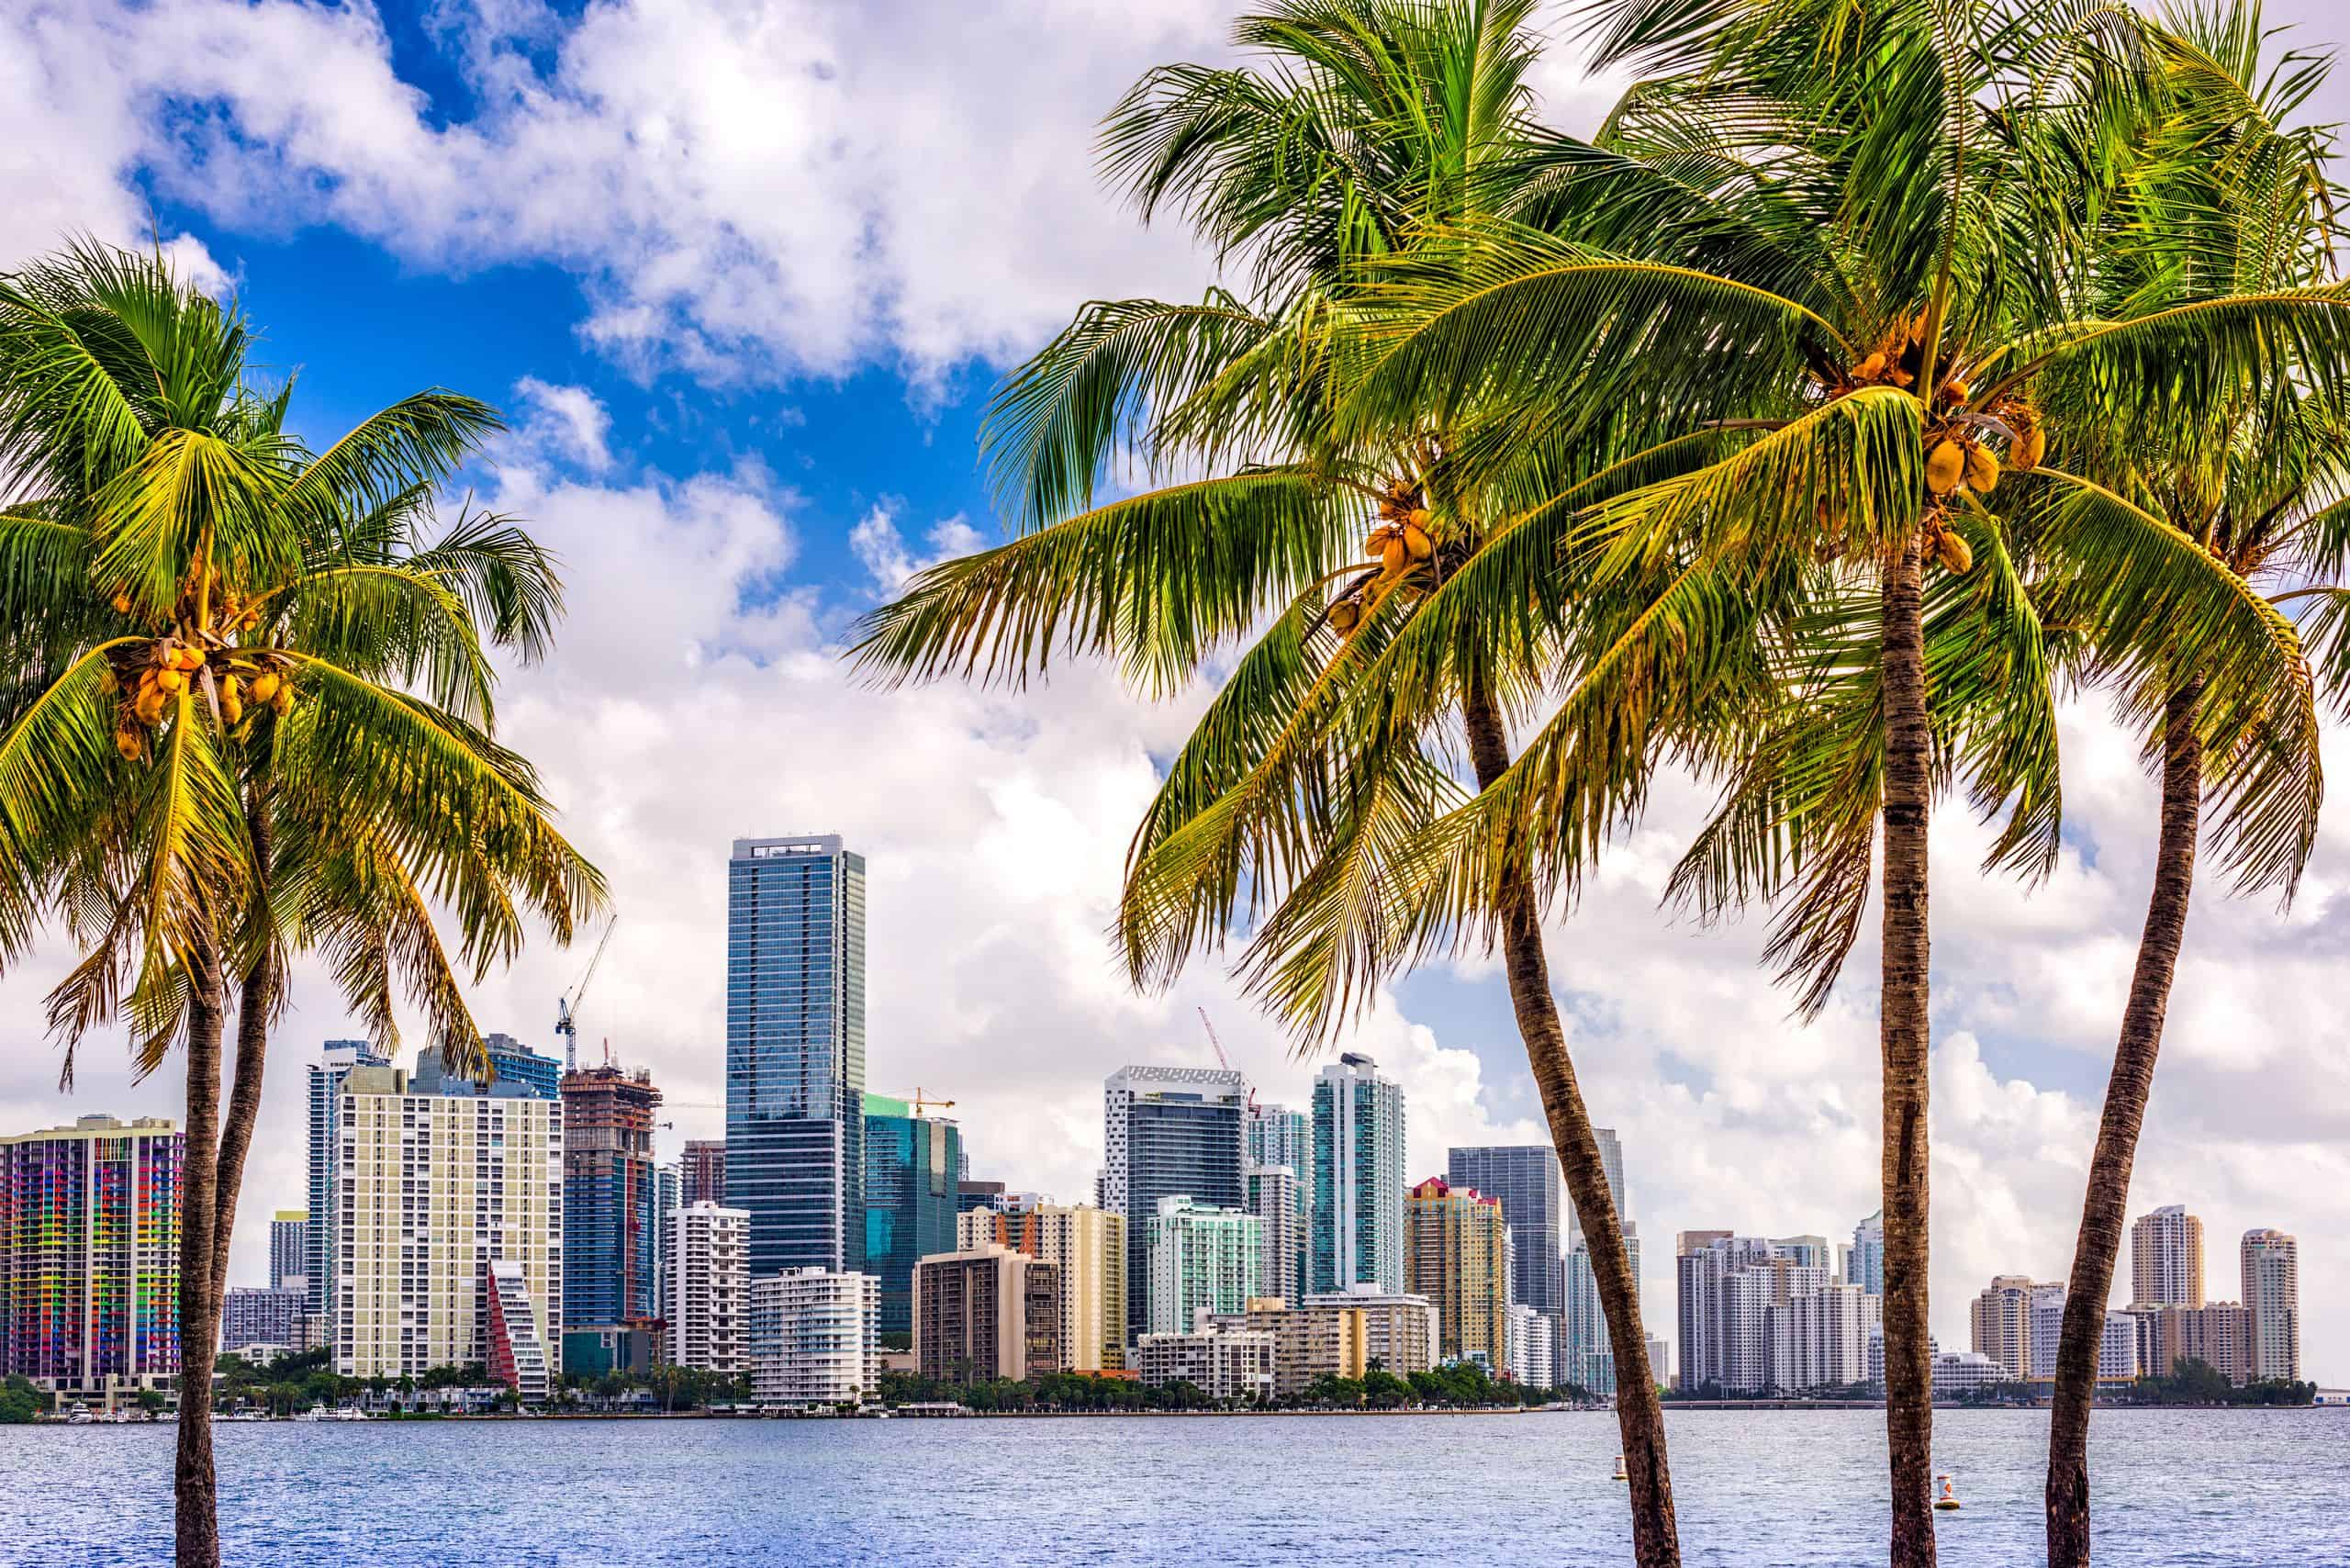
(2259, 494)
(1891, 217)
(1367, 121)
(247, 715)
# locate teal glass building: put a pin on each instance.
(911, 1199)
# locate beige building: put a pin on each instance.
(1234, 1365)
(1308, 1343)
(1456, 1253)
(2166, 1259)
(2218, 1333)
(2272, 1296)
(1400, 1332)
(985, 1313)
(2001, 1321)
(1087, 1245)
(429, 1190)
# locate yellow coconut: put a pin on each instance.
(128, 743)
(1870, 368)
(2028, 450)
(1959, 390)
(1955, 555)
(1417, 543)
(1945, 467)
(122, 604)
(264, 685)
(1344, 615)
(1982, 468)
(1394, 555)
(282, 704)
(169, 681)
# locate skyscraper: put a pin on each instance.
(795, 1051)
(1357, 1177)
(1455, 1253)
(1279, 1136)
(1866, 1266)
(515, 1062)
(1611, 1160)
(449, 1223)
(336, 1058)
(1277, 1197)
(2000, 1321)
(2272, 1294)
(1202, 1259)
(1169, 1132)
(2166, 1259)
(909, 1192)
(710, 1281)
(289, 1249)
(611, 1245)
(1587, 1352)
(1524, 1178)
(702, 1170)
(89, 1256)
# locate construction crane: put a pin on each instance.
(566, 1006)
(920, 1100)
(1222, 1060)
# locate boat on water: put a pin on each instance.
(340, 1413)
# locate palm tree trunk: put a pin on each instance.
(256, 1004)
(194, 1492)
(2098, 1247)
(1905, 1042)
(1656, 1541)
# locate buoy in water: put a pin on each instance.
(1619, 1474)
(1948, 1496)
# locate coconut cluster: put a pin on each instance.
(1400, 542)
(151, 675)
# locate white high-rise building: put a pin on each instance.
(1277, 1197)
(1864, 1266)
(813, 1338)
(2166, 1259)
(1170, 1132)
(1819, 1338)
(709, 1277)
(1203, 1259)
(1533, 1347)
(1728, 1286)
(2272, 1294)
(1589, 1353)
(429, 1191)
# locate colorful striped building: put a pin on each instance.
(89, 1256)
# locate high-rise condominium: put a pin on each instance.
(1525, 1178)
(812, 1339)
(710, 1281)
(2166, 1259)
(89, 1255)
(449, 1227)
(1203, 1259)
(909, 1193)
(1169, 1132)
(985, 1313)
(1588, 1352)
(1864, 1265)
(611, 1241)
(795, 1050)
(336, 1058)
(1277, 1197)
(1357, 1177)
(1279, 1136)
(1087, 1247)
(289, 1249)
(1456, 1254)
(2272, 1294)
(1611, 1160)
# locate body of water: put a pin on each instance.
(1755, 1488)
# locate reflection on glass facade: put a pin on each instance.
(795, 1051)
(1357, 1177)
(911, 1199)
(1170, 1132)
(1524, 1177)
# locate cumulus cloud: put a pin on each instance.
(568, 423)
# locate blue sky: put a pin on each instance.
(742, 272)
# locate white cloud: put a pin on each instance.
(570, 424)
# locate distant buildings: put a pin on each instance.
(702, 1171)
(1232, 1365)
(2272, 1296)
(1588, 1356)
(433, 1192)
(249, 1315)
(1357, 1177)
(1524, 1177)
(1819, 1338)
(515, 1349)
(612, 1240)
(710, 1278)
(2218, 1334)
(1533, 1356)
(795, 1050)
(289, 1258)
(336, 1058)
(2166, 1259)
(1340, 1336)
(2000, 1321)
(511, 1061)
(2117, 1359)
(1087, 1245)
(1170, 1132)
(1864, 1265)
(813, 1338)
(970, 1195)
(1729, 1287)
(1202, 1259)
(1456, 1253)
(1398, 1331)
(1279, 1136)
(1277, 1197)
(89, 1256)
(910, 1198)
(986, 1313)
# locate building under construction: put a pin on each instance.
(611, 1237)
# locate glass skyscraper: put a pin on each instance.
(1357, 1177)
(795, 1051)
(1524, 1177)
(1169, 1132)
(910, 1195)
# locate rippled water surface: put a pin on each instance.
(2173, 1487)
